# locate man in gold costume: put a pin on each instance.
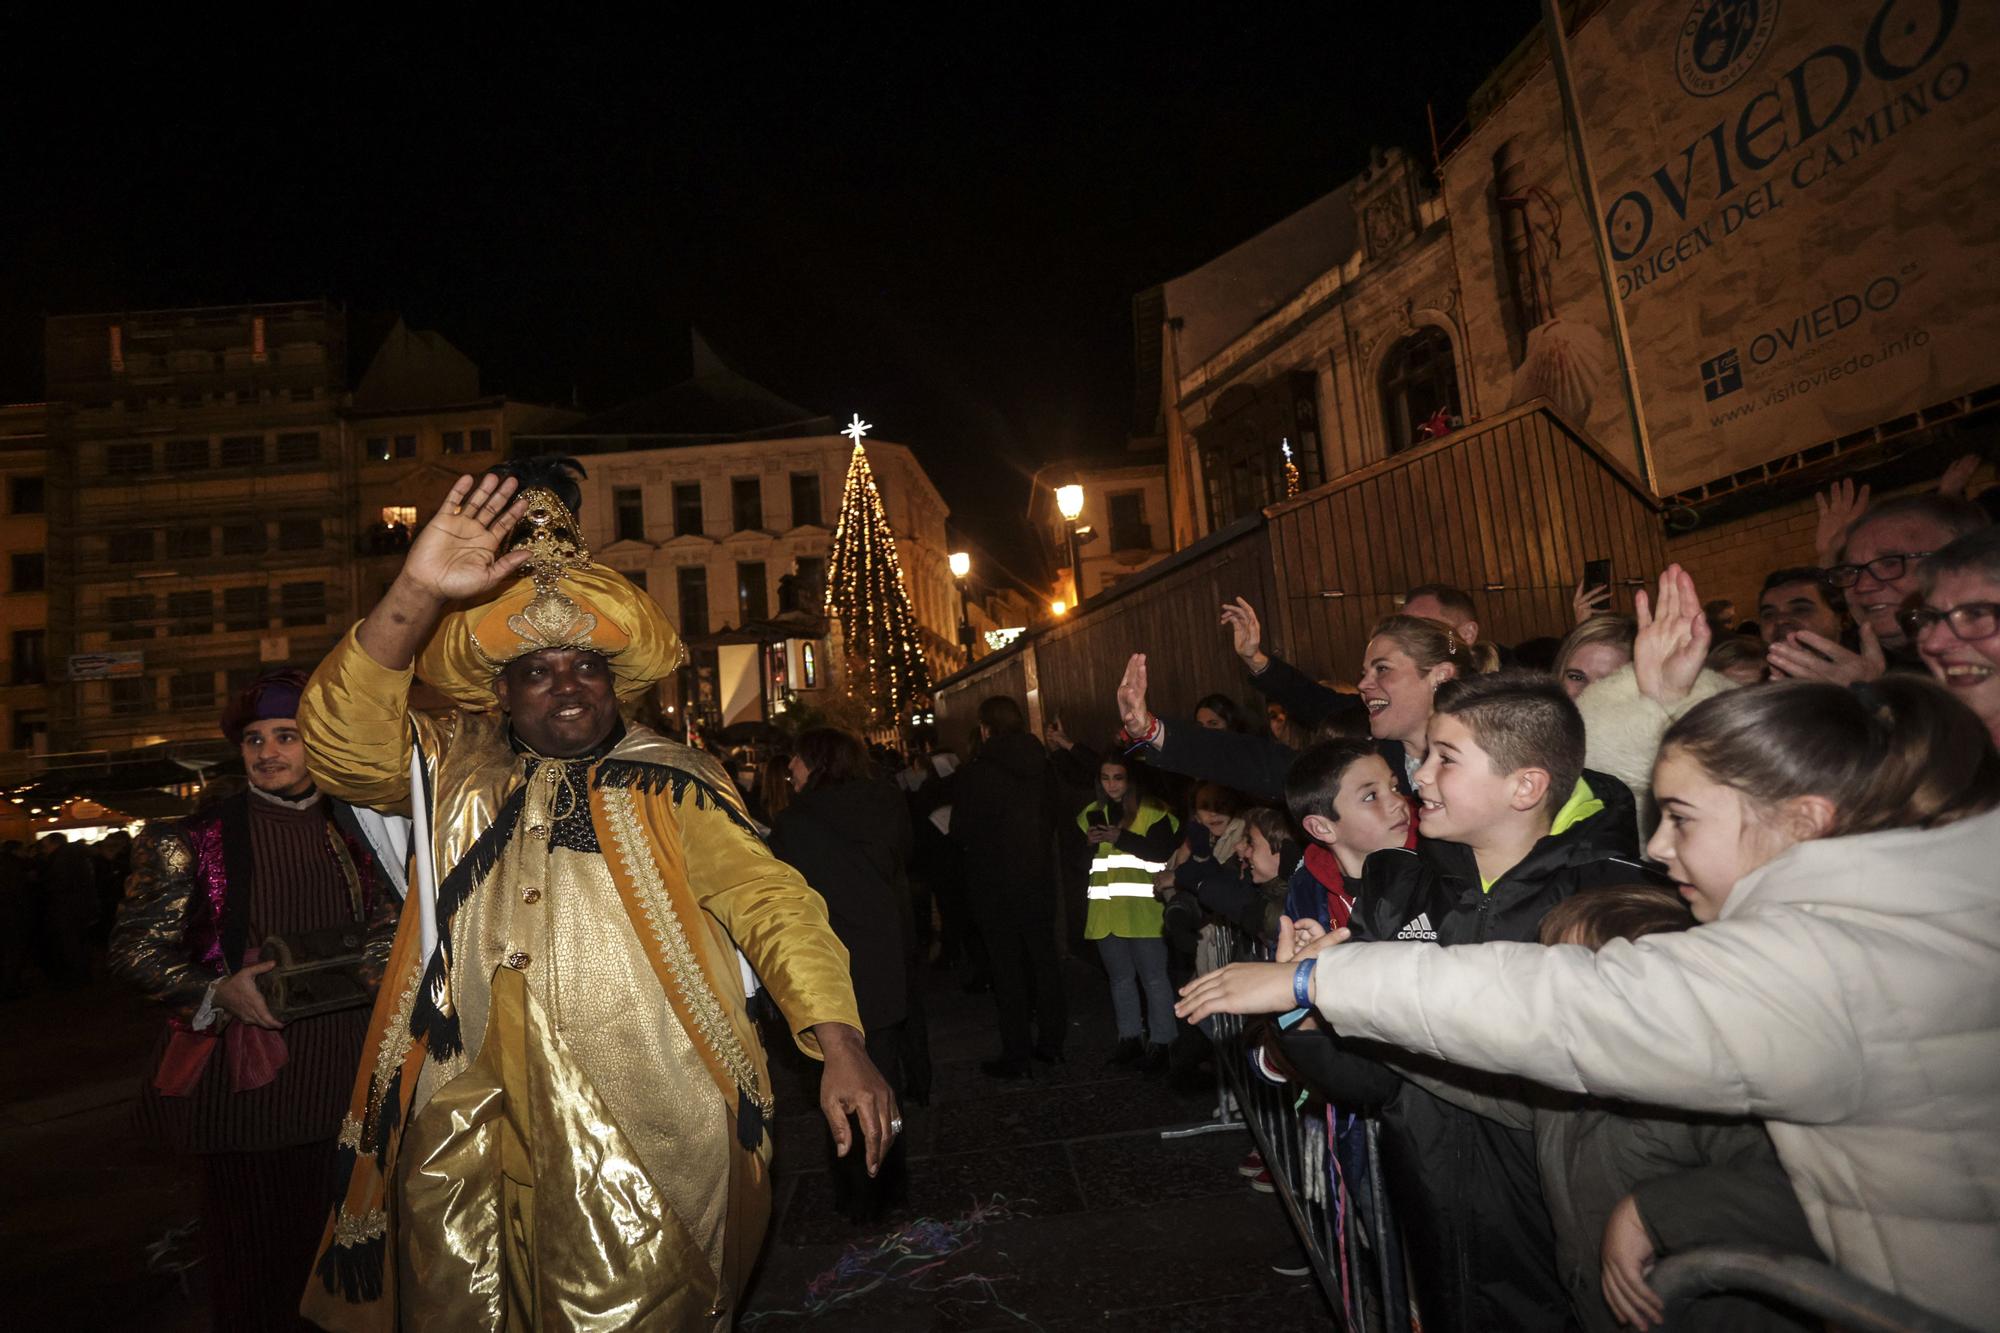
(560, 1120)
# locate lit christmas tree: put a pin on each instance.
(864, 590)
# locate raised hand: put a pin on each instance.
(1587, 602)
(1840, 505)
(1959, 475)
(1056, 736)
(1804, 655)
(456, 555)
(1132, 698)
(1673, 639)
(1246, 633)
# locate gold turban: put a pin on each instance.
(566, 601)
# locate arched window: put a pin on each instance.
(1418, 379)
(1243, 442)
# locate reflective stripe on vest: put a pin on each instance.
(1116, 874)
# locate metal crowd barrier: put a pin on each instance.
(1337, 1217)
(1355, 1260)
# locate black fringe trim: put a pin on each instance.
(428, 1023)
(354, 1272)
(652, 779)
(344, 1159)
(749, 1123)
(480, 858)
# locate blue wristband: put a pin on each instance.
(1302, 982)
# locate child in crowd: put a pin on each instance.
(1131, 836)
(1345, 796)
(1511, 825)
(1839, 846)
(1206, 856)
(1271, 856)
(1511, 821)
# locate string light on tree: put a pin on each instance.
(865, 592)
(1291, 469)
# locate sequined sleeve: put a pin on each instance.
(775, 918)
(149, 936)
(356, 722)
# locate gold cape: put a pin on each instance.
(511, 1164)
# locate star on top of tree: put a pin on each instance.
(857, 428)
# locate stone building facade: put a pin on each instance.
(1125, 525)
(1469, 287)
(201, 519)
(1345, 369)
(24, 603)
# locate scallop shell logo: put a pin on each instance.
(1720, 40)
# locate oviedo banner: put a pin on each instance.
(1802, 199)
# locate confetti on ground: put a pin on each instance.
(911, 1255)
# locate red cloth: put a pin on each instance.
(1325, 868)
(255, 1055)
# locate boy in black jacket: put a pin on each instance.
(1511, 824)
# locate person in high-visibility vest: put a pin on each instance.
(1131, 836)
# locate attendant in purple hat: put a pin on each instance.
(258, 1101)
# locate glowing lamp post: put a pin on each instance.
(961, 565)
(1069, 503)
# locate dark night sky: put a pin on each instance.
(939, 226)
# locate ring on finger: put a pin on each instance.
(896, 1125)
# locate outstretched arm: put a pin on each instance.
(1702, 1020)
(781, 926)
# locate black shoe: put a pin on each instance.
(1127, 1051)
(1050, 1055)
(1004, 1068)
(1154, 1060)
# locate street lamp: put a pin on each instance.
(1069, 503)
(961, 565)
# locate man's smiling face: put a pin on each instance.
(559, 700)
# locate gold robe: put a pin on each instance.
(560, 1124)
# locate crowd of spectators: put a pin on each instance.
(1688, 929)
(1719, 919)
(57, 898)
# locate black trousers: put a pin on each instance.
(1027, 975)
(261, 1218)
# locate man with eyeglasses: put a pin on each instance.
(1880, 564)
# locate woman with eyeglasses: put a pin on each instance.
(1957, 628)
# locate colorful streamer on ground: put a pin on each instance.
(910, 1256)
